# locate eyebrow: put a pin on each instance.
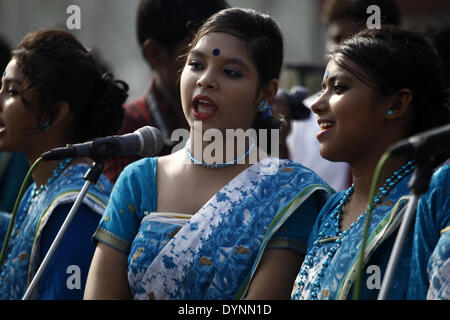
(12, 80)
(337, 76)
(201, 54)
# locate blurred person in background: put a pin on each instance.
(164, 28)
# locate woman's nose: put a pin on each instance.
(320, 105)
(207, 81)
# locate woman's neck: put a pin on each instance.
(363, 174)
(223, 151)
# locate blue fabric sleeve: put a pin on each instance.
(431, 219)
(439, 269)
(66, 273)
(5, 218)
(294, 233)
(134, 194)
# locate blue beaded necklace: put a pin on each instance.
(335, 235)
(35, 192)
(216, 165)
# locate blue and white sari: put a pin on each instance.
(37, 228)
(426, 246)
(214, 253)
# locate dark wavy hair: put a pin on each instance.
(57, 65)
(392, 59)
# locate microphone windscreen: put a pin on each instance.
(153, 141)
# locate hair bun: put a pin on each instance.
(106, 109)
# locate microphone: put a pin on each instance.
(434, 141)
(146, 141)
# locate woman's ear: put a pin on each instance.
(269, 92)
(153, 52)
(60, 114)
(400, 105)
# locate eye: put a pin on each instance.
(12, 91)
(195, 65)
(232, 72)
(339, 88)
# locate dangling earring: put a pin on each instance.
(263, 106)
(264, 109)
(390, 112)
(46, 126)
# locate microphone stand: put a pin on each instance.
(91, 177)
(418, 184)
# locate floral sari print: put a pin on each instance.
(23, 252)
(214, 253)
(424, 248)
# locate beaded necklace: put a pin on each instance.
(35, 192)
(216, 165)
(332, 231)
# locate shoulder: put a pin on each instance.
(137, 178)
(140, 169)
(439, 187)
(298, 171)
(441, 178)
(436, 201)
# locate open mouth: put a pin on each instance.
(203, 107)
(325, 128)
(324, 125)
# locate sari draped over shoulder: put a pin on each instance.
(335, 279)
(23, 252)
(214, 253)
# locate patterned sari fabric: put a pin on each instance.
(423, 247)
(23, 253)
(214, 253)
